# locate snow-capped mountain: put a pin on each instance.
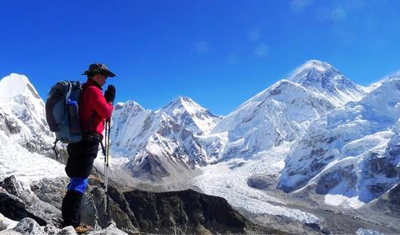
(185, 112)
(322, 78)
(22, 115)
(25, 138)
(161, 143)
(280, 113)
(315, 131)
(184, 135)
(352, 151)
(284, 111)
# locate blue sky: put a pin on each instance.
(219, 53)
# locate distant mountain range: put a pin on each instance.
(336, 137)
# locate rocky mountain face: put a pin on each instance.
(163, 143)
(132, 212)
(352, 151)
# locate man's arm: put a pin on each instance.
(102, 108)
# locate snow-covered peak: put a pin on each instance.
(377, 84)
(326, 80)
(129, 105)
(276, 89)
(385, 100)
(311, 65)
(182, 102)
(389, 90)
(185, 111)
(315, 72)
(16, 84)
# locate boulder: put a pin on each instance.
(28, 226)
(3, 224)
(67, 231)
(15, 209)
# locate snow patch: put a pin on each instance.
(27, 167)
(362, 231)
(343, 201)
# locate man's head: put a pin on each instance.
(98, 73)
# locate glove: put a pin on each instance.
(110, 94)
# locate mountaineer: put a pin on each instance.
(94, 110)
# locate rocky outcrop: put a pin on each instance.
(187, 212)
(335, 177)
(132, 212)
(16, 204)
(394, 200)
(51, 191)
(183, 212)
(28, 226)
(261, 182)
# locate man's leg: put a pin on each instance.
(79, 165)
(71, 207)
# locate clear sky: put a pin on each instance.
(217, 52)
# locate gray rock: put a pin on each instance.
(94, 211)
(51, 230)
(2, 222)
(40, 208)
(12, 186)
(14, 208)
(332, 179)
(28, 226)
(261, 182)
(187, 212)
(51, 191)
(67, 231)
(110, 230)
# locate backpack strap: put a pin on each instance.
(103, 148)
(54, 148)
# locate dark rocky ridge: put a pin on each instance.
(182, 212)
(187, 212)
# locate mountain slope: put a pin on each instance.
(353, 151)
(283, 112)
(25, 139)
(280, 113)
(163, 143)
(22, 117)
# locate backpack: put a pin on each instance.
(62, 111)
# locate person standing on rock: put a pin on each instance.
(94, 110)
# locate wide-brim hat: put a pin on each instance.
(99, 69)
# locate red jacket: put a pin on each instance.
(93, 104)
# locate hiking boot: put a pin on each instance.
(83, 228)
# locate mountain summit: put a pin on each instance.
(16, 84)
(22, 114)
(188, 113)
(326, 80)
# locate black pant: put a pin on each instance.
(80, 163)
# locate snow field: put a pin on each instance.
(25, 166)
(231, 184)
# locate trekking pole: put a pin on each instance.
(106, 162)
